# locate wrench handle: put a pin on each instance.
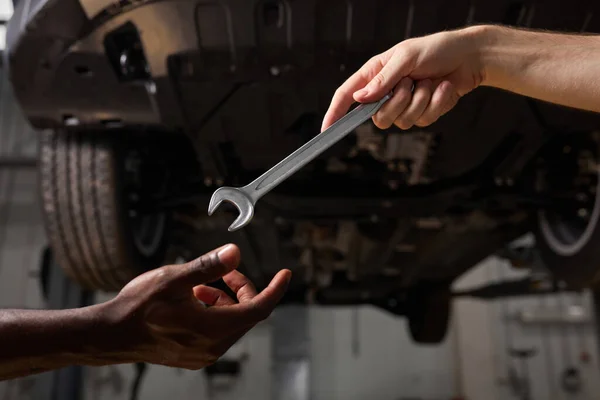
(311, 149)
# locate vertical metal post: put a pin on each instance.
(596, 311)
(291, 353)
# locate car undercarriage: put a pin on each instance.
(146, 107)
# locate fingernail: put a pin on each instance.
(362, 92)
(222, 253)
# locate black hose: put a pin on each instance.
(140, 369)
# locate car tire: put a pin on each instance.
(569, 244)
(428, 311)
(86, 205)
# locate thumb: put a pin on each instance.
(207, 268)
(392, 72)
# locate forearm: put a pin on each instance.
(558, 68)
(35, 341)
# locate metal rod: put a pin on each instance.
(18, 162)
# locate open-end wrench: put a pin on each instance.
(245, 198)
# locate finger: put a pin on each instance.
(452, 101)
(441, 102)
(395, 106)
(397, 67)
(241, 286)
(418, 104)
(205, 269)
(266, 300)
(212, 296)
(250, 312)
(342, 98)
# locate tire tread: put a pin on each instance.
(83, 210)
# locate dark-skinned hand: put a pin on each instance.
(162, 310)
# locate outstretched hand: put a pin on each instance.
(167, 323)
(427, 75)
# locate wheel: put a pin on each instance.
(428, 312)
(568, 237)
(88, 183)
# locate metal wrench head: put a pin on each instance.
(239, 199)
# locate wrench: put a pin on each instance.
(245, 198)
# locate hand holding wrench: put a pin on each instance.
(246, 197)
